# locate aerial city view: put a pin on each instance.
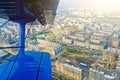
(83, 42)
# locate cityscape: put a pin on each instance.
(84, 43)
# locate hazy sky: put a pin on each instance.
(107, 4)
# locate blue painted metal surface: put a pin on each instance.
(25, 65)
(33, 66)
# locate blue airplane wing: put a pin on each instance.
(28, 65)
(33, 66)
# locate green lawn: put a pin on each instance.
(75, 51)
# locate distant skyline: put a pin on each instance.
(100, 4)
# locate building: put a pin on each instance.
(99, 37)
(114, 43)
(95, 46)
(74, 73)
(81, 27)
(67, 40)
(80, 34)
(104, 68)
(115, 39)
(59, 66)
(32, 45)
(116, 35)
(51, 47)
(118, 62)
(113, 50)
(87, 44)
(79, 43)
(56, 49)
(97, 74)
(118, 65)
